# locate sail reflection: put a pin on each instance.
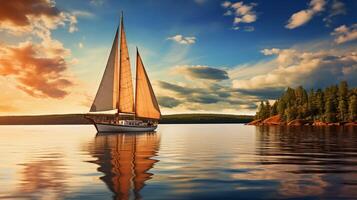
(125, 160)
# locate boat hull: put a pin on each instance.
(112, 128)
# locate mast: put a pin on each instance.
(136, 82)
(119, 69)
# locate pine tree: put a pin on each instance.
(260, 113)
(330, 103)
(352, 108)
(274, 109)
(311, 102)
(281, 108)
(291, 113)
(343, 101)
(320, 104)
(335, 103)
(267, 109)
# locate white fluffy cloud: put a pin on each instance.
(270, 51)
(345, 34)
(243, 13)
(297, 67)
(183, 40)
(302, 17)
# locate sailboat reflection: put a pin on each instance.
(125, 160)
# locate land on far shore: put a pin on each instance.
(166, 119)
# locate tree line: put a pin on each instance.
(336, 103)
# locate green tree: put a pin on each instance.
(330, 103)
(260, 113)
(312, 107)
(320, 104)
(274, 109)
(352, 108)
(343, 101)
(291, 113)
(267, 109)
(334, 103)
(281, 108)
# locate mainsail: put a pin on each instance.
(107, 95)
(126, 96)
(146, 105)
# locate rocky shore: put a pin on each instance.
(276, 120)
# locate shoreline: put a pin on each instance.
(78, 119)
(277, 121)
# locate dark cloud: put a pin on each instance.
(266, 93)
(203, 72)
(17, 12)
(168, 102)
(34, 17)
(178, 89)
(211, 95)
(204, 98)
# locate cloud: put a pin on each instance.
(20, 17)
(202, 72)
(268, 52)
(302, 17)
(345, 34)
(210, 96)
(82, 13)
(97, 2)
(39, 65)
(168, 102)
(266, 93)
(336, 8)
(183, 91)
(311, 69)
(226, 4)
(183, 40)
(249, 28)
(38, 73)
(243, 13)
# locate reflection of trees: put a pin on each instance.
(305, 159)
(125, 160)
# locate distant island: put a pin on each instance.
(335, 105)
(166, 119)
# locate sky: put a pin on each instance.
(202, 56)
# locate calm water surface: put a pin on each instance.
(178, 162)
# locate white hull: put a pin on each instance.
(122, 128)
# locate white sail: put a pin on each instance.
(126, 96)
(107, 94)
(146, 105)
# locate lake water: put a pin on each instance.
(215, 161)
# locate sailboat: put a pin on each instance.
(116, 93)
